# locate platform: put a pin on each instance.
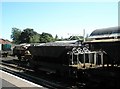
(8, 80)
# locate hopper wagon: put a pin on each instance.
(66, 59)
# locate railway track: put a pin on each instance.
(30, 75)
(55, 82)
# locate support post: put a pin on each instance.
(84, 60)
(77, 58)
(90, 59)
(72, 58)
(102, 58)
(95, 58)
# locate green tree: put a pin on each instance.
(26, 35)
(16, 33)
(35, 38)
(46, 37)
(56, 38)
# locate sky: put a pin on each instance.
(61, 18)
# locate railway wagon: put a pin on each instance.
(108, 40)
(64, 59)
(52, 57)
(21, 51)
(5, 50)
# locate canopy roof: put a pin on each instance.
(106, 32)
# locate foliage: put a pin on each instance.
(35, 38)
(28, 35)
(16, 33)
(46, 37)
(56, 37)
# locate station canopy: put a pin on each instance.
(106, 32)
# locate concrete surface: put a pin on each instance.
(14, 82)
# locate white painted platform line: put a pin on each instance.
(17, 81)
